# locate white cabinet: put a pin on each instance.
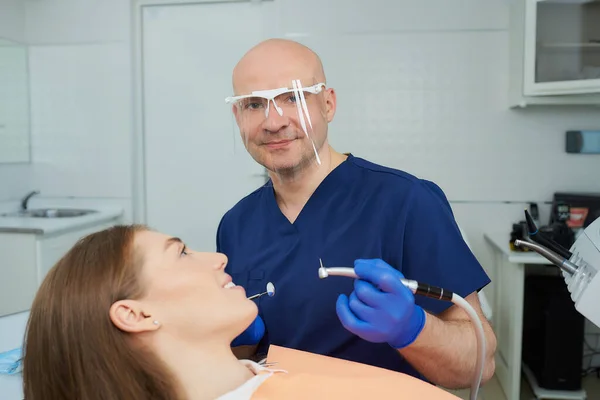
(26, 258)
(562, 47)
(18, 272)
(555, 52)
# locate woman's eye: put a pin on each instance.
(184, 251)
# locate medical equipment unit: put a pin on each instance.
(279, 126)
(579, 269)
(434, 292)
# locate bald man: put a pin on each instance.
(347, 211)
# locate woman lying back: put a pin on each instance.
(129, 313)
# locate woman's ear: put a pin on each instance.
(128, 316)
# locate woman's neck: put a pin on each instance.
(203, 371)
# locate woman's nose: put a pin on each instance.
(220, 261)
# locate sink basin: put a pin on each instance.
(50, 213)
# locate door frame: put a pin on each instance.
(138, 155)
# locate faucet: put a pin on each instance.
(25, 199)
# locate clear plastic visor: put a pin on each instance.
(277, 126)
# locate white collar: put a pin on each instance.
(247, 389)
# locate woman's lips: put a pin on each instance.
(233, 286)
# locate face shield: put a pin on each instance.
(282, 128)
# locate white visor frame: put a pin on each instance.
(271, 94)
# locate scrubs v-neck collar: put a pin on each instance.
(336, 178)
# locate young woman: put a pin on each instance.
(129, 313)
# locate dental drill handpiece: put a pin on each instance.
(270, 291)
(415, 287)
(561, 262)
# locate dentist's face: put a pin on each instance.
(278, 141)
(189, 292)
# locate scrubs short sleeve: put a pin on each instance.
(434, 251)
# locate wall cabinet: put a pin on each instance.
(25, 261)
(555, 52)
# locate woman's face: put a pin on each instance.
(188, 292)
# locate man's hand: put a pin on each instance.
(381, 309)
(252, 335)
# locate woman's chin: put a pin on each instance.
(251, 315)
(252, 311)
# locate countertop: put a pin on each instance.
(48, 226)
(499, 240)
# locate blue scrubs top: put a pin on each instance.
(360, 210)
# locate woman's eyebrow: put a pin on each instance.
(172, 240)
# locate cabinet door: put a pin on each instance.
(18, 281)
(562, 47)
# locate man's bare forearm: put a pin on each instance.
(446, 352)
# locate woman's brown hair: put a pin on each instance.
(72, 350)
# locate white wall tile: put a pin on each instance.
(81, 116)
(76, 21)
(12, 20)
(14, 178)
(317, 17)
(15, 181)
(14, 104)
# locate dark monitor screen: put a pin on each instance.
(584, 208)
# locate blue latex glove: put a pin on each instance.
(252, 335)
(381, 309)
